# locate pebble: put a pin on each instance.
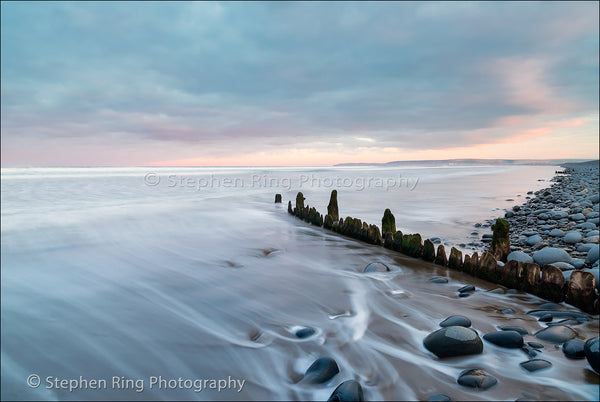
(376, 267)
(577, 217)
(572, 237)
(438, 279)
(535, 365)
(563, 266)
(556, 334)
(549, 306)
(519, 256)
(305, 332)
(453, 341)
(505, 339)
(548, 255)
(438, 398)
(476, 378)
(592, 354)
(530, 352)
(467, 288)
(322, 370)
(347, 391)
(520, 330)
(574, 349)
(456, 320)
(592, 255)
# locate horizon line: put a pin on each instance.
(271, 166)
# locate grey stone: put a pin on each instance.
(592, 353)
(572, 237)
(519, 256)
(587, 226)
(556, 334)
(592, 255)
(456, 320)
(505, 339)
(556, 233)
(584, 248)
(322, 370)
(577, 217)
(573, 349)
(350, 390)
(520, 330)
(559, 214)
(533, 240)
(466, 288)
(535, 365)
(548, 255)
(563, 266)
(476, 378)
(453, 341)
(376, 267)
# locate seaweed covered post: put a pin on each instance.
(388, 222)
(500, 247)
(455, 260)
(332, 208)
(440, 257)
(278, 198)
(428, 251)
(333, 214)
(299, 204)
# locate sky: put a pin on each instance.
(298, 83)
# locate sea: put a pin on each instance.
(147, 283)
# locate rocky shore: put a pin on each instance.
(558, 226)
(547, 246)
(564, 216)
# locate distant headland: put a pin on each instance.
(471, 162)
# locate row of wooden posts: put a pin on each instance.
(547, 281)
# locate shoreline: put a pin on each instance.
(570, 203)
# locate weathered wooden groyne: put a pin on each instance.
(546, 281)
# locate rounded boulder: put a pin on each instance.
(519, 256)
(548, 255)
(505, 339)
(453, 341)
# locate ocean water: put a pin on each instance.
(157, 279)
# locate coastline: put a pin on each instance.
(571, 203)
(556, 215)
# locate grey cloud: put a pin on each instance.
(407, 73)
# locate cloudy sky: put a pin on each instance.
(296, 83)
